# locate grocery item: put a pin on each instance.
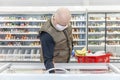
(81, 52)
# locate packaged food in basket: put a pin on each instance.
(97, 53)
(81, 52)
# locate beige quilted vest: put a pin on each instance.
(63, 42)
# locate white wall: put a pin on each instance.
(25, 9)
(12, 6)
(59, 2)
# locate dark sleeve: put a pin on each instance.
(47, 44)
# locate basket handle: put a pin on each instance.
(62, 69)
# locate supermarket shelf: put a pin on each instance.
(80, 46)
(113, 32)
(115, 58)
(112, 45)
(112, 20)
(19, 40)
(23, 20)
(113, 27)
(96, 32)
(20, 49)
(96, 26)
(78, 20)
(96, 39)
(20, 57)
(18, 60)
(79, 39)
(97, 20)
(20, 27)
(18, 33)
(95, 45)
(78, 26)
(20, 46)
(113, 39)
(78, 32)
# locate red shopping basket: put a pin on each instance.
(94, 59)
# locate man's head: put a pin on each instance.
(62, 17)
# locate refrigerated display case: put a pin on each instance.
(19, 36)
(96, 31)
(79, 30)
(113, 33)
(19, 33)
(103, 33)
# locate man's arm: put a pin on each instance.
(48, 45)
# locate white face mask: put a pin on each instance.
(60, 28)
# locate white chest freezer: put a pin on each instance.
(71, 71)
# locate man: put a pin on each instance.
(56, 39)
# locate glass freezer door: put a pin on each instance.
(96, 31)
(113, 34)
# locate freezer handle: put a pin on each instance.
(58, 70)
(4, 67)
